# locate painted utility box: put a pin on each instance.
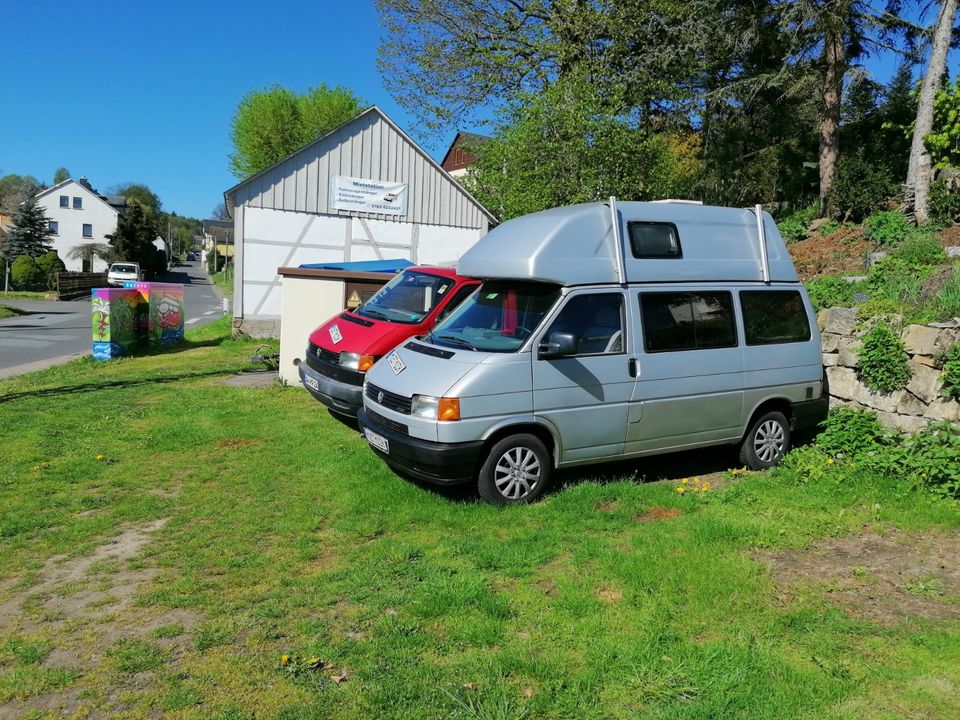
(137, 315)
(114, 322)
(159, 318)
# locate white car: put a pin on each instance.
(121, 272)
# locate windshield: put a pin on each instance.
(124, 268)
(408, 298)
(499, 317)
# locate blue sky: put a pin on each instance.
(145, 91)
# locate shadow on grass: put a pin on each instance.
(111, 384)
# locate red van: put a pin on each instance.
(346, 346)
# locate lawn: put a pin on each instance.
(9, 312)
(224, 281)
(170, 544)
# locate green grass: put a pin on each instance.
(23, 295)
(287, 536)
(224, 281)
(9, 312)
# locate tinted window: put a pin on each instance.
(595, 320)
(774, 316)
(687, 321)
(654, 240)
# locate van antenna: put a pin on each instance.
(617, 240)
(762, 236)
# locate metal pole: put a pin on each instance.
(617, 240)
(762, 237)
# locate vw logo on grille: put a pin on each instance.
(380, 397)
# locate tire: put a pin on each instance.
(766, 442)
(515, 471)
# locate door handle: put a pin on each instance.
(632, 367)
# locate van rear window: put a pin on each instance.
(687, 321)
(774, 316)
(654, 240)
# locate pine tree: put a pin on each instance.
(133, 239)
(31, 231)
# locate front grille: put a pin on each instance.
(397, 427)
(399, 403)
(318, 360)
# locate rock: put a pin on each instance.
(822, 318)
(952, 251)
(920, 339)
(829, 342)
(831, 359)
(941, 409)
(925, 383)
(946, 338)
(955, 322)
(887, 402)
(910, 405)
(875, 257)
(909, 423)
(849, 348)
(924, 360)
(843, 382)
(837, 402)
(840, 321)
(817, 224)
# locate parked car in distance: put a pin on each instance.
(340, 351)
(121, 272)
(604, 332)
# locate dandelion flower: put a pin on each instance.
(684, 481)
(829, 461)
(706, 486)
(681, 490)
(284, 659)
(99, 457)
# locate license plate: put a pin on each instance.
(335, 334)
(396, 364)
(378, 441)
(311, 382)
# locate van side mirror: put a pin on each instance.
(560, 344)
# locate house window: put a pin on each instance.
(64, 201)
(78, 203)
(54, 227)
(87, 230)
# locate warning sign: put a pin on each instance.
(354, 300)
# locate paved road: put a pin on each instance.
(53, 332)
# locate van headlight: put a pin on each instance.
(356, 361)
(435, 408)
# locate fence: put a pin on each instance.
(75, 284)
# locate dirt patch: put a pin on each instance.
(606, 506)
(652, 514)
(839, 253)
(932, 285)
(885, 578)
(252, 380)
(950, 237)
(609, 595)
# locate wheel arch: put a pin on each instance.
(773, 403)
(545, 432)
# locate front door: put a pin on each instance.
(585, 396)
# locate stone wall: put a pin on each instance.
(910, 409)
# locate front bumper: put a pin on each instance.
(433, 462)
(340, 397)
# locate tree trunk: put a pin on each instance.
(919, 170)
(834, 67)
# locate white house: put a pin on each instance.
(363, 191)
(79, 215)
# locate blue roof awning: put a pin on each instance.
(381, 266)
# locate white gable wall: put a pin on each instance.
(95, 212)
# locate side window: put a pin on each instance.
(462, 294)
(774, 316)
(78, 203)
(64, 201)
(87, 230)
(687, 321)
(654, 240)
(595, 320)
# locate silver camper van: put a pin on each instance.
(602, 332)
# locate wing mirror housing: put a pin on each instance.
(560, 344)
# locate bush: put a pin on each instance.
(847, 431)
(860, 188)
(25, 274)
(795, 226)
(831, 291)
(950, 365)
(50, 264)
(920, 247)
(944, 203)
(883, 360)
(946, 304)
(887, 228)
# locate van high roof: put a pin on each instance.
(574, 245)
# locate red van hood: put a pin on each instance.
(373, 337)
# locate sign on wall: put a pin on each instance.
(369, 196)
